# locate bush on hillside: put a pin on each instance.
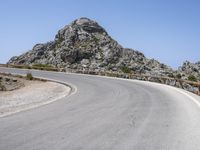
(126, 70)
(192, 78)
(178, 76)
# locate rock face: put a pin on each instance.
(84, 44)
(188, 69)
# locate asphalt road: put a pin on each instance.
(106, 114)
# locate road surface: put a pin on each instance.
(106, 114)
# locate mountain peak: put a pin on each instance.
(83, 20)
(84, 44)
(87, 25)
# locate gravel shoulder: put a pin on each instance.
(32, 94)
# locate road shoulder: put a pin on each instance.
(32, 95)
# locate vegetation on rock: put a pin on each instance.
(192, 78)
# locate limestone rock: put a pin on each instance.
(85, 44)
(188, 69)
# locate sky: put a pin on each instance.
(166, 30)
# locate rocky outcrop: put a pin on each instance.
(189, 69)
(84, 44)
(8, 83)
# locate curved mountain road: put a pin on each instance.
(106, 114)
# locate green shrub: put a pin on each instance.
(42, 65)
(178, 76)
(192, 78)
(171, 75)
(126, 70)
(29, 76)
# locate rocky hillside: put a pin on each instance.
(84, 44)
(189, 69)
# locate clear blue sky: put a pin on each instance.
(167, 30)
